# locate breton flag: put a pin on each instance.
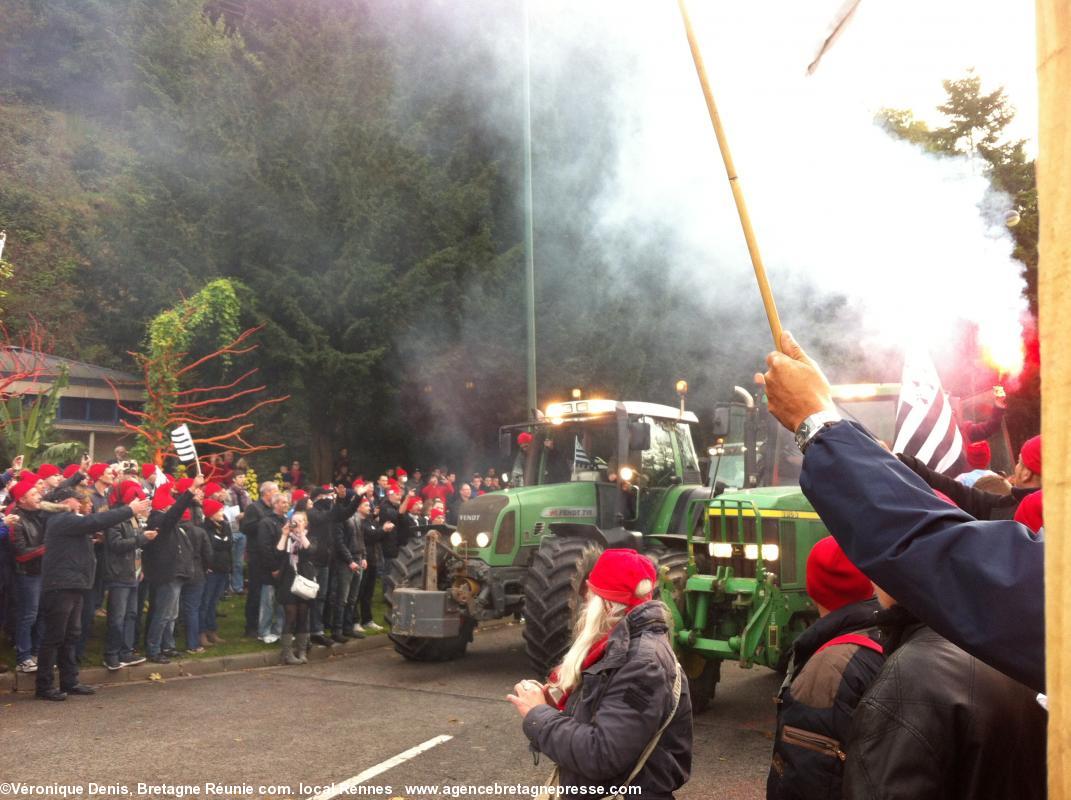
(183, 442)
(925, 425)
(581, 457)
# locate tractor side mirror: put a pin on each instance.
(505, 443)
(721, 422)
(639, 436)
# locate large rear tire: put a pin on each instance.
(551, 592)
(407, 571)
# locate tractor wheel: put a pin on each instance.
(677, 561)
(407, 571)
(702, 687)
(551, 591)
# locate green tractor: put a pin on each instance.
(595, 474)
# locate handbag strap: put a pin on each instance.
(658, 735)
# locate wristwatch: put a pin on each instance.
(810, 427)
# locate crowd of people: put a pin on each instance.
(156, 553)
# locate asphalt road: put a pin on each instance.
(303, 728)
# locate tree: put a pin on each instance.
(217, 414)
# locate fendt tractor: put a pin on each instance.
(600, 474)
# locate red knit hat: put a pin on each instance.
(148, 469)
(211, 488)
(434, 514)
(401, 473)
(1030, 513)
(96, 471)
(47, 471)
(832, 580)
(26, 475)
(69, 470)
(524, 437)
(21, 488)
(298, 494)
(130, 490)
(183, 485)
(212, 507)
(978, 454)
(163, 499)
(1030, 455)
(623, 576)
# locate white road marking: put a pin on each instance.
(382, 767)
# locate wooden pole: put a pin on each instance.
(734, 182)
(1054, 299)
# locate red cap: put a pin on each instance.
(434, 514)
(21, 488)
(832, 580)
(26, 475)
(298, 494)
(401, 473)
(623, 576)
(47, 471)
(1030, 455)
(212, 507)
(148, 469)
(183, 485)
(211, 488)
(163, 499)
(96, 471)
(69, 470)
(524, 437)
(1030, 513)
(130, 490)
(978, 454)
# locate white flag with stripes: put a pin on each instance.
(580, 456)
(925, 425)
(183, 442)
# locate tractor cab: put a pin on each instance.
(633, 451)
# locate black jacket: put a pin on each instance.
(28, 541)
(815, 705)
(349, 545)
(324, 520)
(371, 535)
(388, 512)
(119, 561)
(200, 549)
(620, 704)
(167, 558)
(69, 562)
(269, 529)
(411, 527)
(222, 542)
(938, 723)
(979, 504)
(306, 566)
(251, 517)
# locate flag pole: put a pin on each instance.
(734, 183)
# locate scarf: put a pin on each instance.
(558, 697)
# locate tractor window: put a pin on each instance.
(689, 460)
(583, 451)
(657, 462)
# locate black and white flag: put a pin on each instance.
(925, 425)
(580, 456)
(183, 442)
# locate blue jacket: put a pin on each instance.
(978, 584)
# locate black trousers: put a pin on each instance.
(364, 596)
(61, 610)
(252, 604)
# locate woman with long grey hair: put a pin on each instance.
(616, 711)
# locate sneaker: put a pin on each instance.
(160, 659)
(113, 666)
(171, 652)
(29, 665)
(132, 660)
(196, 651)
(358, 628)
(372, 626)
(271, 638)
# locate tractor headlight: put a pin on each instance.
(627, 474)
(483, 539)
(751, 552)
(456, 539)
(770, 552)
(720, 549)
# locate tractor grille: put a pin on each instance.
(741, 530)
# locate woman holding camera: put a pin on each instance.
(295, 577)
